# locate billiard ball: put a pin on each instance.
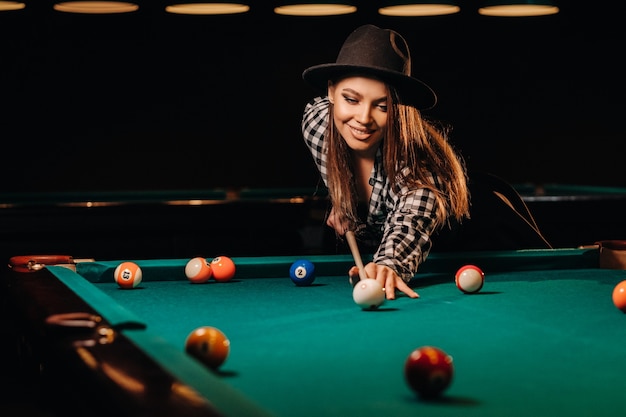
(302, 272)
(368, 294)
(198, 270)
(469, 279)
(128, 275)
(223, 268)
(209, 345)
(428, 371)
(619, 296)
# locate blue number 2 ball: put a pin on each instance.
(302, 272)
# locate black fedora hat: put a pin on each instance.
(380, 53)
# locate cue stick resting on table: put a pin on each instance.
(354, 248)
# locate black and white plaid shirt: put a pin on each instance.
(400, 222)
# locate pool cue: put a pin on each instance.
(354, 248)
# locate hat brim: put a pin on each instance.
(412, 91)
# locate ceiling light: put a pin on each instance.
(207, 8)
(418, 8)
(11, 5)
(518, 8)
(315, 8)
(95, 7)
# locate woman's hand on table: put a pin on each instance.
(387, 278)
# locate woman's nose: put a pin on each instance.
(364, 116)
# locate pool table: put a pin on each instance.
(158, 224)
(162, 223)
(572, 215)
(542, 338)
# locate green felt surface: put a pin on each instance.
(531, 343)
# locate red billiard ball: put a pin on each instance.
(302, 272)
(198, 270)
(428, 371)
(209, 345)
(469, 279)
(223, 268)
(128, 275)
(619, 296)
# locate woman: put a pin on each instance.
(392, 176)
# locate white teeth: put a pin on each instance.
(359, 131)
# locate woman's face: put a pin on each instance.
(360, 112)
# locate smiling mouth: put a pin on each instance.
(360, 132)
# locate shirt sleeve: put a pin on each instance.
(314, 125)
(406, 233)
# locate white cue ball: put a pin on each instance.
(469, 279)
(368, 294)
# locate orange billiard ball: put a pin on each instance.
(428, 371)
(209, 345)
(619, 296)
(128, 275)
(223, 268)
(198, 270)
(469, 279)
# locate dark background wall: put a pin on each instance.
(158, 101)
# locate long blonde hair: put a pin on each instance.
(411, 141)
